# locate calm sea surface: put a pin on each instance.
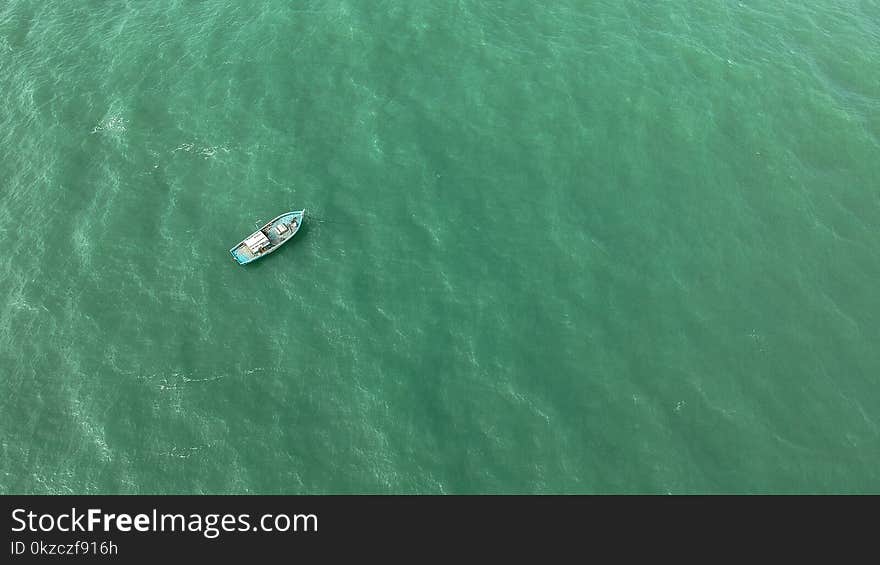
(567, 247)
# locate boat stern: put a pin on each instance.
(240, 255)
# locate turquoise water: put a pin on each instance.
(592, 246)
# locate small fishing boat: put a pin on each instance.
(268, 238)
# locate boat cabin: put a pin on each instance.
(256, 242)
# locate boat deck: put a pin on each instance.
(243, 254)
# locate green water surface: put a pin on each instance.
(567, 247)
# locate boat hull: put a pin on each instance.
(257, 246)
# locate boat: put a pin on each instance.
(268, 238)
